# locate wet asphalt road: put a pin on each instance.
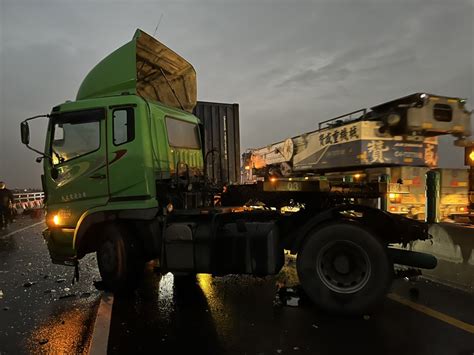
(238, 315)
(207, 315)
(41, 312)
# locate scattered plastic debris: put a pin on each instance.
(293, 301)
(67, 289)
(69, 295)
(289, 296)
(60, 280)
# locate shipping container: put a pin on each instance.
(220, 125)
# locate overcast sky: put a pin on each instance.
(289, 64)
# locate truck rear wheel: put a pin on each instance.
(344, 268)
(120, 260)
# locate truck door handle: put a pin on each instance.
(98, 176)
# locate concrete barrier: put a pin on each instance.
(453, 245)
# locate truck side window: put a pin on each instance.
(123, 123)
(443, 113)
(182, 134)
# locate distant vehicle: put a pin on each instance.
(132, 175)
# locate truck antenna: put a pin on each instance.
(158, 24)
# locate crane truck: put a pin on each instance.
(126, 176)
(394, 141)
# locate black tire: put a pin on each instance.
(344, 268)
(120, 259)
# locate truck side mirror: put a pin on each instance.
(25, 133)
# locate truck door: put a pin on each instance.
(76, 175)
(127, 167)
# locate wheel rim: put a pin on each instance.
(343, 266)
(108, 256)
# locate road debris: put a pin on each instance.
(60, 280)
(28, 284)
(1, 294)
(69, 295)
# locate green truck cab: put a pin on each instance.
(126, 176)
(127, 129)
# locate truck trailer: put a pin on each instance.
(132, 175)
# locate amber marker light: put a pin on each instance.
(56, 220)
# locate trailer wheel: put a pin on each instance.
(120, 260)
(344, 268)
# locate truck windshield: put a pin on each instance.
(182, 134)
(75, 134)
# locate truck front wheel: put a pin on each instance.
(119, 259)
(344, 268)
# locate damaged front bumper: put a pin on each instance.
(60, 243)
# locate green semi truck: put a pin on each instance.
(126, 176)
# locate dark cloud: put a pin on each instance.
(290, 64)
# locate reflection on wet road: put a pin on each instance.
(238, 315)
(40, 310)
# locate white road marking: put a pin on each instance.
(22, 229)
(100, 333)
